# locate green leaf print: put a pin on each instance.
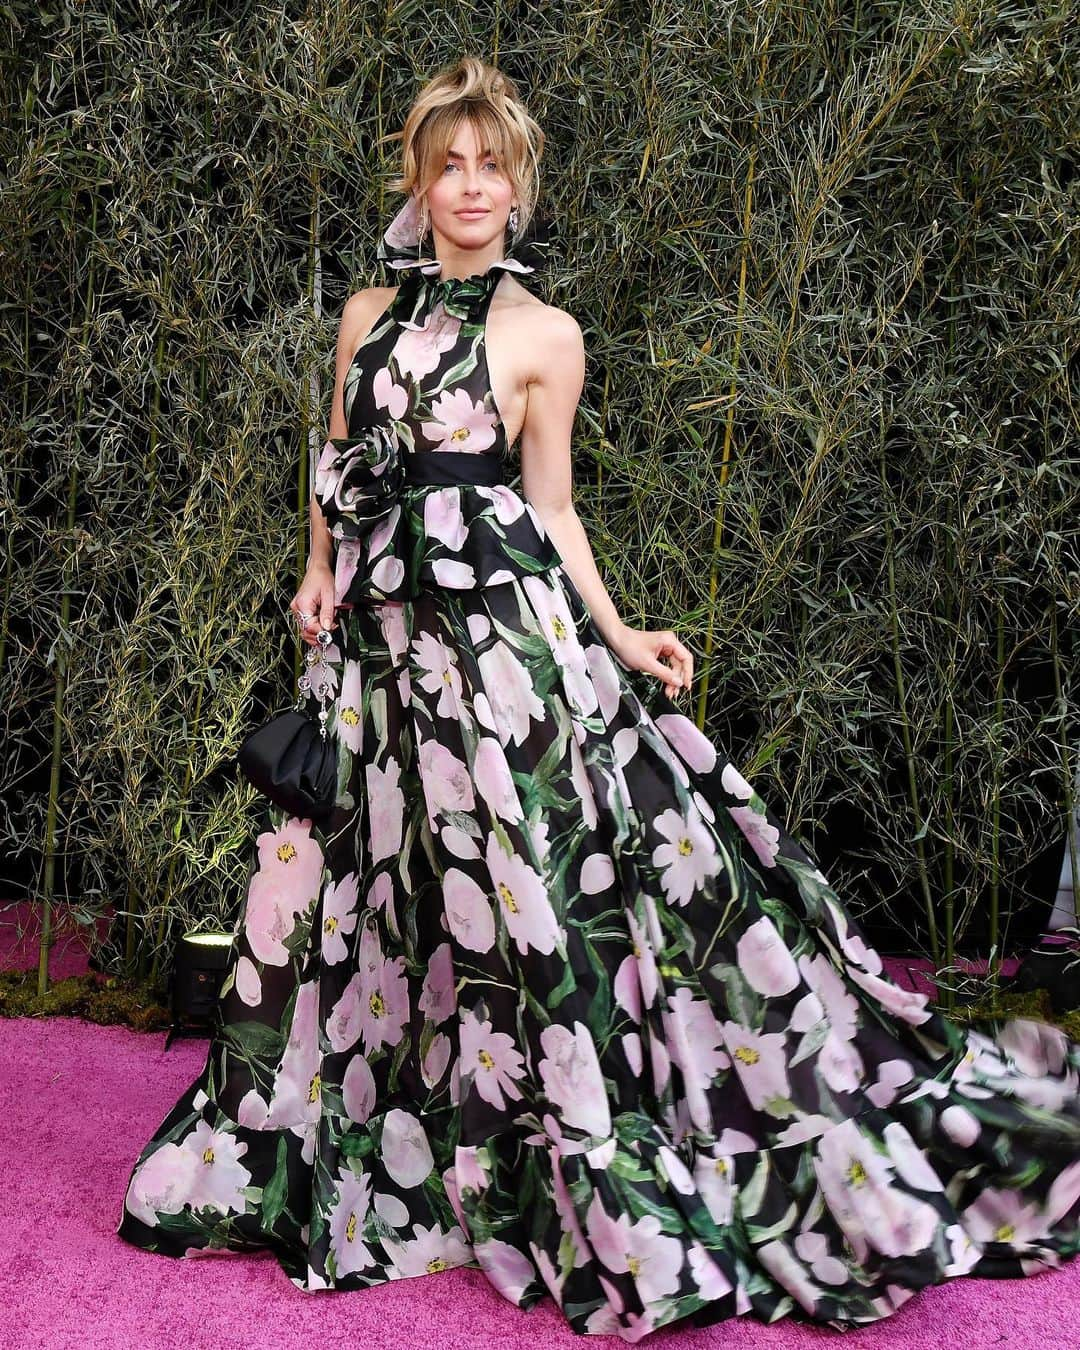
(276, 1189)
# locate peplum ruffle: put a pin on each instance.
(405, 523)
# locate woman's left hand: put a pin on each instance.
(641, 649)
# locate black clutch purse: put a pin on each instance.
(290, 758)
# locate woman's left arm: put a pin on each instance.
(546, 480)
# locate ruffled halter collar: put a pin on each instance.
(400, 250)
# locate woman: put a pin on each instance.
(553, 992)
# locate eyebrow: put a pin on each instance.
(456, 154)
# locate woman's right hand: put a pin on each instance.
(315, 598)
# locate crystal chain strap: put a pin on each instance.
(314, 657)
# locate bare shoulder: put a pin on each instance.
(542, 318)
(548, 339)
(362, 309)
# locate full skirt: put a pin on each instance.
(554, 993)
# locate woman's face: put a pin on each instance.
(469, 202)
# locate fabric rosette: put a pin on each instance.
(359, 480)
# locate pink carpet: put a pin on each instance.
(78, 1102)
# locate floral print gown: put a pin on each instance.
(552, 992)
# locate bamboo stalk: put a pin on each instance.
(905, 720)
(729, 419)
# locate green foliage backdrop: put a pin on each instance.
(825, 260)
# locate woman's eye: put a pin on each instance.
(488, 163)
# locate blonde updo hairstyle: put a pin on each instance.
(477, 91)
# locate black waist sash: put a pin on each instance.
(449, 468)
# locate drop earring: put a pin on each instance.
(513, 221)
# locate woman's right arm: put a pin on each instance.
(316, 594)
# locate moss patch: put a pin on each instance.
(1027, 1003)
(104, 999)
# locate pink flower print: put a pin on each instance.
(762, 836)
(339, 918)
(405, 1148)
(892, 1075)
(561, 632)
(579, 776)
(494, 781)
(572, 1078)
(439, 673)
(163, 1184)
(437, 996)
(687, 740)
(358, 1089)
(1036, 1048)
(433, 1065)
(510, 1271)
(513, 700)
(292, 857)
(854, 948)
(219, 1177)
(392, 620)
(442, 517)
(710, 1279)
(492, 1059)
(840, 1007)
(383, 994)
(429, 1251)
(733, 782)
(252, 1111)
(640, 1249)
(349, 720)
(813, 1248)
(387, 813)
(714, 1178)
(840, 1064)
(906, 1004)
(688, 858)
(290, 870)
(469, 1168)
(248, 983)
(418, 351)
(393, 397)
(522, 897)
(566, 1209)
(297, 1095)
(347, 1215)
(549, 1272)
(346, 561)
(381, 896)
(759, 1060)
(695, 1040)
(765, 961)
(789, 1273)
(460, 423)
(857, 1183)
(631, 1044)
(960, 1125)
(508, 505)
(455, 575)
(912, 1163)
(605, 678)
(1004, 1216)
(445, 780)
(1064, 1193)
(343, 1023)
(468, 911)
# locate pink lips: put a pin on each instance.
(470, 215)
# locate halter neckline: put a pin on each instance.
(401, 250)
